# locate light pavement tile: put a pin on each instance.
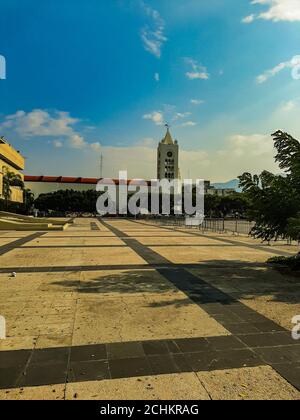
(69, 257)
(70, 242)
(54, 392)
(79, 235)
(258, 383)
(194, 255)
(41, 325)
(184, 386)
(5, 241)
(18, 343)
(11, 308)
(53, 341)
(19, 284)
(139, 318)
(14, 234)
(147, 235)
(123, 283)
(181, 241)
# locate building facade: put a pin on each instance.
(168, 158)
(11, 160)
(49, 184)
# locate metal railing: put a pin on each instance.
(234, 226)
(238, 226)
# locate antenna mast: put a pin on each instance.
(101, 166)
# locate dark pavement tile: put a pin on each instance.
(200, 361)
(88, 353)
(240, 328)
(14, 358)
(155, 348)
(268, 326)
(225, 343)
(44, 374)
(235, 359)
(227, 318)
(214, 308)
(290, 372)
(163, 364)
(266, 340)
(182, 363)
(223, 360)
(129, 368)
(88, 371)
(9, 376)
(125, 350)
(172, 347)
(193, 345)
(50, 356)
(276, 355)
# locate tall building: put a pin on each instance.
(11, 160)
(168, 158)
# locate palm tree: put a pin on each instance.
(10, 179)
(28, 198)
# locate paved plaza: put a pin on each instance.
(121, 309)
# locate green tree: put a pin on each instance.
(226, 206)
(68, 201)
(275, 199)
(10, 179)
(28, 197)
(211, 205)
(234, 204)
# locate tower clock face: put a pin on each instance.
(170, 154)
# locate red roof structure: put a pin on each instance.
(74, 180)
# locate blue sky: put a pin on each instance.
(85, 78)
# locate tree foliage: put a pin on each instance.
(226, 206)
(68, 201)
(10, 179)
(276, 198)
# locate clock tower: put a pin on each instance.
(168, 158)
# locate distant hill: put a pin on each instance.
(234, 183)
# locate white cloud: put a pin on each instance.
(58, 144)
(278, 10)
(159, 118)
(248, 19)
(153, 34)
(197, 101)
(243, 153)
(293, 64)
(96, 147)
(41, 123)
(147, 142)
(249, 145)
(157, 77)
(77, 142)
(288, 106)
(189, 124)
(197, 70)
(197, 75)
(156, 116)
(181, 115)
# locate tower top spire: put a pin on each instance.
(168, 137)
